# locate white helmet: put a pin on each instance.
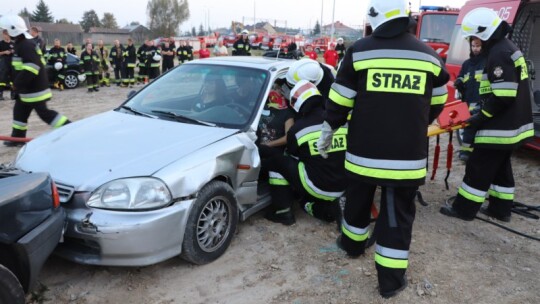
(15, 26)
(480, 22)
(340, 40)
(157, 57)
(307, 69)
(302, 91)
(58, 66)
(81, 77)
(245, 32)
(381, 11)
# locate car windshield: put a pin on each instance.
(224, 96)
(437, 27)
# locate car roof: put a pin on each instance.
(264, 63)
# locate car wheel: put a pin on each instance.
(11, 290)
(211, 224)
(71, 81)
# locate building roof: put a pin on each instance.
(57, 27)
(132, 28)
(338, 26)
(102, 30)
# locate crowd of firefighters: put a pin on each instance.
(342, 140)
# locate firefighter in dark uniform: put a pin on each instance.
(153, 60)
(57, 60)
(303, 172)
(130, 58)
(29, 81)
(241, 47)
(503, 124)
(319, 74)
(116, 57)
(167, 52)
(7, 46)
(141, 56)
(103, 54)
(89, 64)
(394, 86)
(340, 48)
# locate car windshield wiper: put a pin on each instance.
(183, 118)
(136, 112)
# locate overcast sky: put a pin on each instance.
(219, 13)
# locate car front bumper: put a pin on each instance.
(121, 238)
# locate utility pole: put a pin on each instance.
(322, 6)
(254, 19)
(332, 30)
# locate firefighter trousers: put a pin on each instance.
(286, 187)
(393, 228)
(488, 171)
(118, 73)
(22, 110)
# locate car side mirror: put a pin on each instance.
(131, 94)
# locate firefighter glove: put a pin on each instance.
(325, 140)
(476, 120)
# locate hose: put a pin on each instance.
(16, 139)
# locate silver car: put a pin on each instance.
(169, 172)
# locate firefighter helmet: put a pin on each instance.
(382, 11)
(15, 26)
(340, 40)
(480, 22)
(156, 57)
(58, 66)
(305, 68)
(81, 77)
(302, 91)
(245, 32)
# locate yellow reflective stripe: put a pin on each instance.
(437, 100)
(18, 127)
(500, 195)
(278, 182)
(485, 87)
(503, 140)
(393, 63)
(340, 100)
(339, 143)
(33, 97)
(391, 263)
(392, 13)
(385, 173)
(353, 236)
(60, 122)
(396, 81)
(487, 113)
(504, 92)
(466, 28)
(470, 196)
(312, 189)
(30, 68)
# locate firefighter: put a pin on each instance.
(130, 58)
(34, 31)
(181, 52)
(116, 58)
(70, 49)
(303, 172)
(86, 42)
(57, 59)
(331, 57)
(89, 64)
(319, 74)
(241, 46)
(29, 81)
(103, 74)
(503, 124)
(468, 85)
(7, 46)
(153, 60)
(141, 56)
(394, 85)
(167, 53)
(340, 48)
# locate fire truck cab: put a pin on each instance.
(522, 16)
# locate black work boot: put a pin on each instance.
(285, 216)
(390, 293)
(451, 212)
(502, 218)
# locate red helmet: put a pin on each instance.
(276, 100)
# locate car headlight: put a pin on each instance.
(141, 193)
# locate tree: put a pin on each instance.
(317, 29)
(64, 21)
(89, 19)
(201, 31)
(109, 21)
(193, 31)
(133, 23)
(42, 13)
(165, 16)
(25, 13)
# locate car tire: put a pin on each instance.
(11, 290)
(71, 81)
(211, 224)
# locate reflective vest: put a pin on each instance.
(29, 75)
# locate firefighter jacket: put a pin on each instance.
(395, 86)
(322, 178)
(28, 72)
(130, 56)
(470, 75)
(116, 56)
(241, 47)
(89, 63)
(72, 51)
(5, 62)
(340, 49)
(57, 54)
(508, 106)
(141, 55)
(327, 80)
(184, 53)
(103, 55)
(150, 52)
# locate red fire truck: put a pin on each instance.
(521, 15)
(319, 45)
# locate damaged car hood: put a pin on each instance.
(113, 145)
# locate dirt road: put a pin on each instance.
(451, 261)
